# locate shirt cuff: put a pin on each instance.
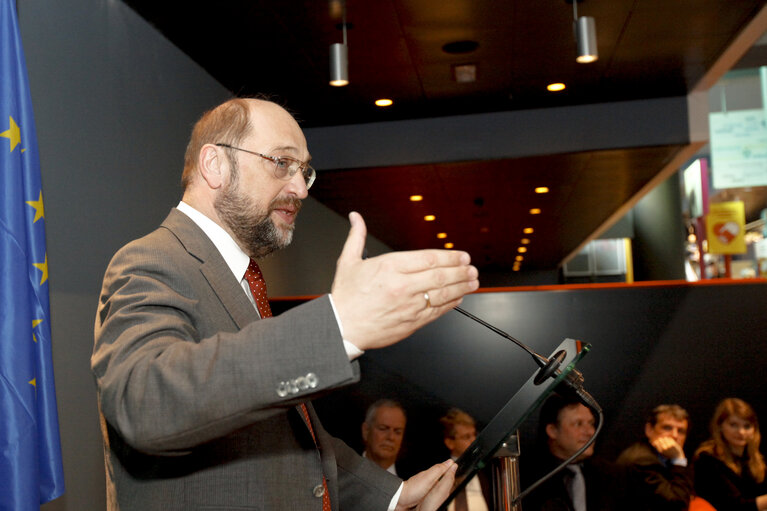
(681, 462)
(352, 351)
(395, 499)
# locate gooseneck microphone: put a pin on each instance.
(548, 367)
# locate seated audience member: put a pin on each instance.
(589, 483)
(729, 469)
(659, 478)
(382, 433)
(458, 432)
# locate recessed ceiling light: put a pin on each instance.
(535, 211)
(542, 189)
(522, 250)
(528, 230)
(449, 245)
(525, 241)
(430, 218)
(442, 235)
(384, 102)
(555, 87)
(416, 198)
(519, 258)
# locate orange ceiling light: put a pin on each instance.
(522, 250)
(535, 211)
(555, 87)
(430, 218)
(383, 102)
(416, 198)
(449, 245)
(542, 189)
(528, 230)
(525, 241)
(442, 235)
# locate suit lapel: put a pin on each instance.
(212, 266)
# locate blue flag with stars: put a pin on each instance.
(30, 452)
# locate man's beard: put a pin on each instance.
(252, 227)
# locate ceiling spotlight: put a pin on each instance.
(585, 37)
(522, 250)
(441, 235)
(542, 189)
(555, 87)
(430, 218)
(339, 64)
(416, 198)
(525, 241)
(535, 211)
(528, 230)
(449, 245)
(339, 58)
(384, 102)
(519, 258)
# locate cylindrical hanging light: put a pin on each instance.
(339, 65)
(586, 37)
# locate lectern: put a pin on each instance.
(498, 444)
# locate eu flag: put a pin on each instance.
(30, 452)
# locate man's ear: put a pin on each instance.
(648, 430)
(449, 443)
(365, 432)
(212, 165)
(551, 431)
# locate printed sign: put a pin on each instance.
(725, 228)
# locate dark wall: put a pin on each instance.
(692, 344)
(659, 234)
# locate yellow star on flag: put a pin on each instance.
(43, 267)
(38, 205)
(35, 322)
(33, 382)
(13, 133)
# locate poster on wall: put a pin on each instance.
(725, 228)
(738, 148)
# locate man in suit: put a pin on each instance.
(382, 433)
(588, 483)
(659, 478)
(205, 398)
(459, 430)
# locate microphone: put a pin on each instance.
(549, 368)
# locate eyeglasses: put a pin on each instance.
(284, 167)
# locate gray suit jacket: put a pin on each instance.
(198, 397)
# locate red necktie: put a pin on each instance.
(257, 286)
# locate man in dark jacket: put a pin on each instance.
(659, 479)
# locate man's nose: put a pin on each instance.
(297, 185)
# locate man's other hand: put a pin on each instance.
(427, 490)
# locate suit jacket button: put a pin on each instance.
(318, 491)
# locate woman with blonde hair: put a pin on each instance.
(729, 469)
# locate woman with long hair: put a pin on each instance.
(729, 469)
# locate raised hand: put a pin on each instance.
(384, 299)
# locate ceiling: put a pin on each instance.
(647, 49)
